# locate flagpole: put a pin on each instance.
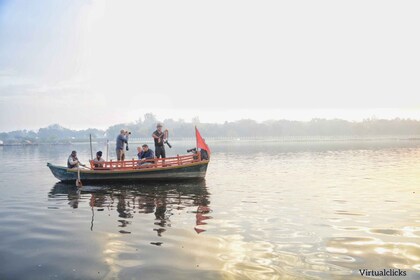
(107, 147)
(196, 143)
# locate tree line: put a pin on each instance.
(143, 128)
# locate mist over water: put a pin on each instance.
(265, 211)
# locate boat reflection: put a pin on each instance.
(160, 199)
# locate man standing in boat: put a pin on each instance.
(160, 137)
(122, 139)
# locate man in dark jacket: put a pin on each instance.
(145, 155)
(159, 138)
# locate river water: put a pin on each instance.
(265, 211)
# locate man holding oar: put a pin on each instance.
(73, 162)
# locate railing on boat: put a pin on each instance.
(149, 163)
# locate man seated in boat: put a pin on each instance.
(98, 160)
(145, 155)
(73, 161)
(204, 154)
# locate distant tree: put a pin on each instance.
(150, 119)
(195, 120)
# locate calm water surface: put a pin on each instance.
(265, 211)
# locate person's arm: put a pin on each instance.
(159, 138)
(71, 161)
(123, 138)
(75, 162)
(79, 163)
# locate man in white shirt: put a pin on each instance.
(73, 161)
(98, 160)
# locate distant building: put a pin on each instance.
(1, 143)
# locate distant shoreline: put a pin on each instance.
(285, 139)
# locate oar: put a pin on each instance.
(91, 151)
(78, 181)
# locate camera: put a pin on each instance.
(167, 143)
(128, 132)
(193, 150)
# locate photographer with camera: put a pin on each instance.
(160, 138)
(122, 139)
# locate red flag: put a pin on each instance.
(200, 142)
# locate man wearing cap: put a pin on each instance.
(121, 140)
(98, 160)
(159, 137)
(73, 161)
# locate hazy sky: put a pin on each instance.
(96, 63)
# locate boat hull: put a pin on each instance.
(195, 170)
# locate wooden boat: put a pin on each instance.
(189, 166)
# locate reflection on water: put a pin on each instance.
(159, 199)
(265, 211)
